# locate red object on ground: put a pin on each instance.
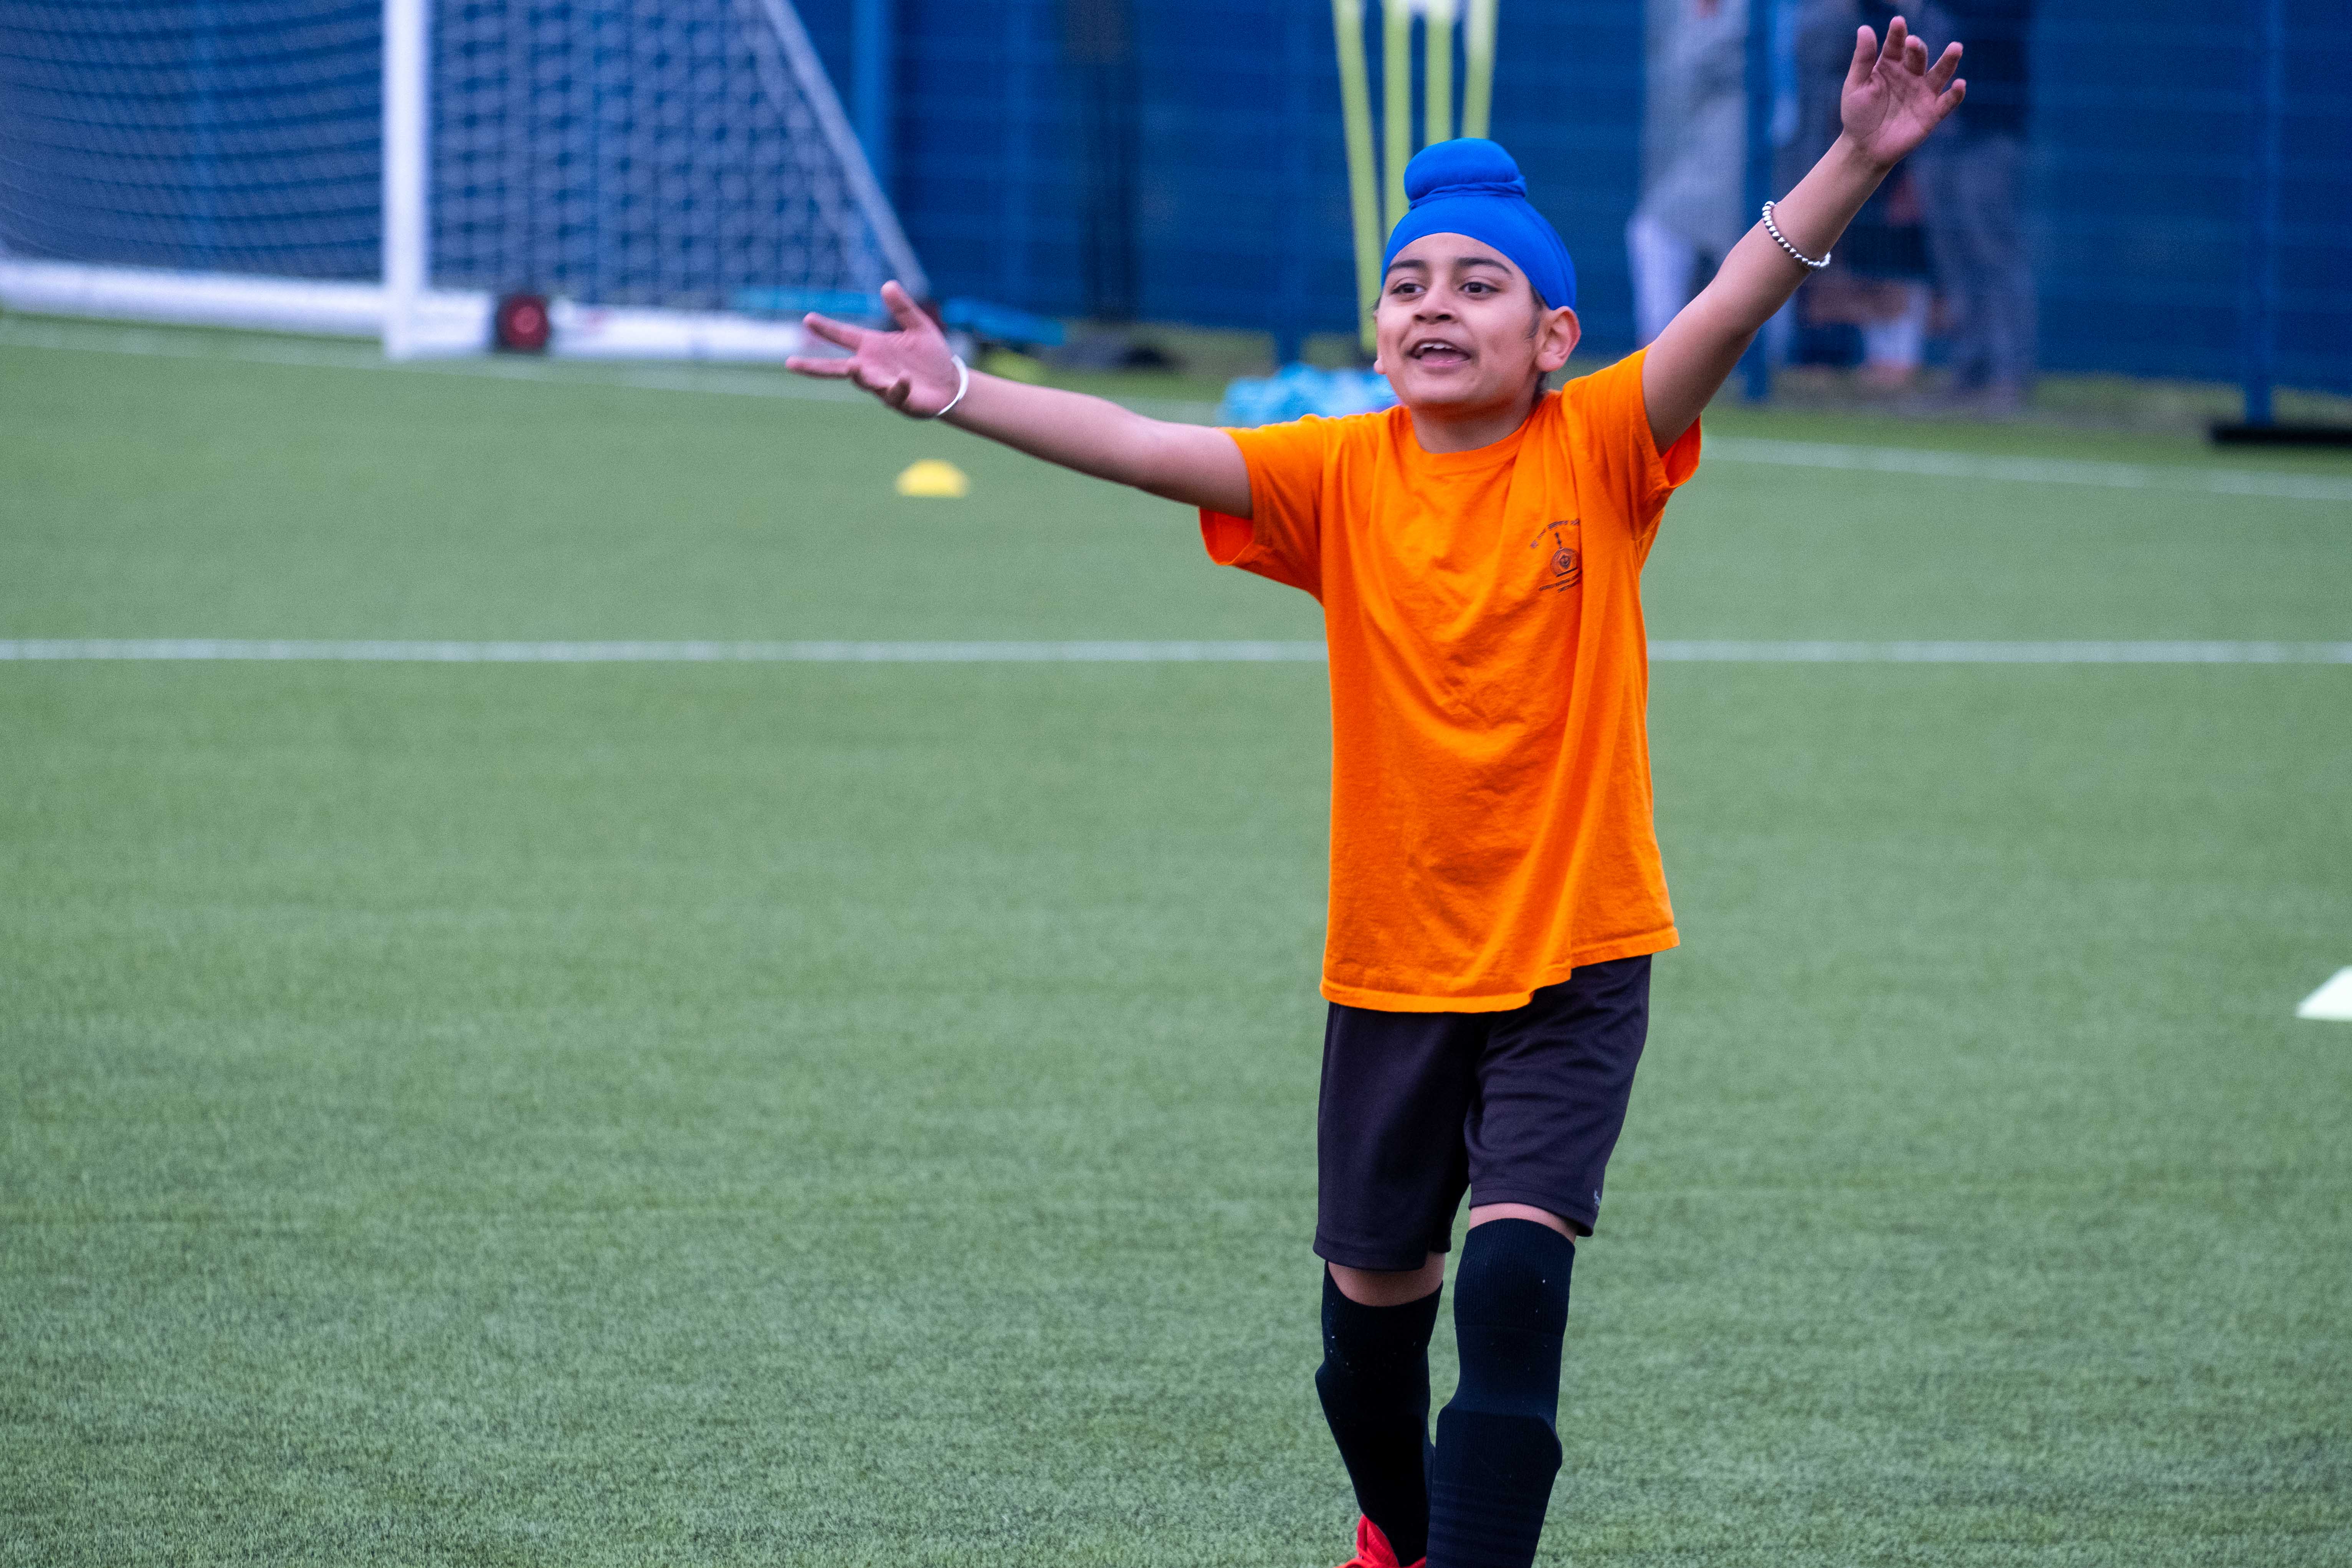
(520, 325)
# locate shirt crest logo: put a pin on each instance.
(1563, 562)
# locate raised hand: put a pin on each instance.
(1893, 99)
(910, 368)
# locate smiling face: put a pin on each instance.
(1461, 332)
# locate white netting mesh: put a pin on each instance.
(206, 135)
(640, 153)
(683, 153)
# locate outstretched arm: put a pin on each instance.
(1893, 99)
(911, 371)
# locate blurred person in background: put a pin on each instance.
(1969, 175)
(1694, 153)
(1878, 285)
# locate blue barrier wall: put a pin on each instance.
(2150, 138)
(1242, 214)
(2146, 132)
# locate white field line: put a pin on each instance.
(167, 344)
(325, 354)
(391, 652)
(1668, 652)
(2332, 1002)
(2030, 470)
(223, 649)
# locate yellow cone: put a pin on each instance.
(932, 477)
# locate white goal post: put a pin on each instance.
(671, 175)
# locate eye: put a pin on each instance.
(1477, 285)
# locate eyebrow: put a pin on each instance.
(1495, 261)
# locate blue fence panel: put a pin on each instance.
(1568, 103)
(241, 134)
(2312, 334)
(1241, 200)
(987, 182)
(2147, 134)
(2144, 134)
(1243, 216)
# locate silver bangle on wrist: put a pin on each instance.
(964, 385)
(1780, 239)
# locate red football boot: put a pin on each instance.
(1374, 1551)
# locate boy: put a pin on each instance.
(1495, 892)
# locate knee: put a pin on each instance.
(1388, 1287)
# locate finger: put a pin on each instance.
(1946, 68)
(1866, 55)
(1897, 30)
(900, 390)
(903, 308)
(833, 332)
(1951, 97)
(1914, 55)
(833, 368)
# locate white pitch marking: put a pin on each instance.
(2031, 470)
(2332, 1001)
(328, 353)
(397, 652)
(172, 344)
(1672, 652)
(392, 651)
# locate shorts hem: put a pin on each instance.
(1373, 1258)
(1584, 1216)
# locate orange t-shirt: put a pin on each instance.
(1490, 767)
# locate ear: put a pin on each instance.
(1558, 339)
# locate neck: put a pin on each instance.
(1467, 429)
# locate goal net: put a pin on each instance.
(662, 170)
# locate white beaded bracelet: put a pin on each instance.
(1774, 230)
(964, 385)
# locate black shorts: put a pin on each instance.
(1522, 1107)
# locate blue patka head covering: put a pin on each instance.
(1471, 187)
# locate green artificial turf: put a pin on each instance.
(863, 1115)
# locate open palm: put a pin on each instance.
(910, 369)
(1893, 99)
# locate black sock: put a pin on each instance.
(1496, 1449)
(1374, 1382)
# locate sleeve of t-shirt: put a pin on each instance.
(1281, 538)
(1607, 407)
